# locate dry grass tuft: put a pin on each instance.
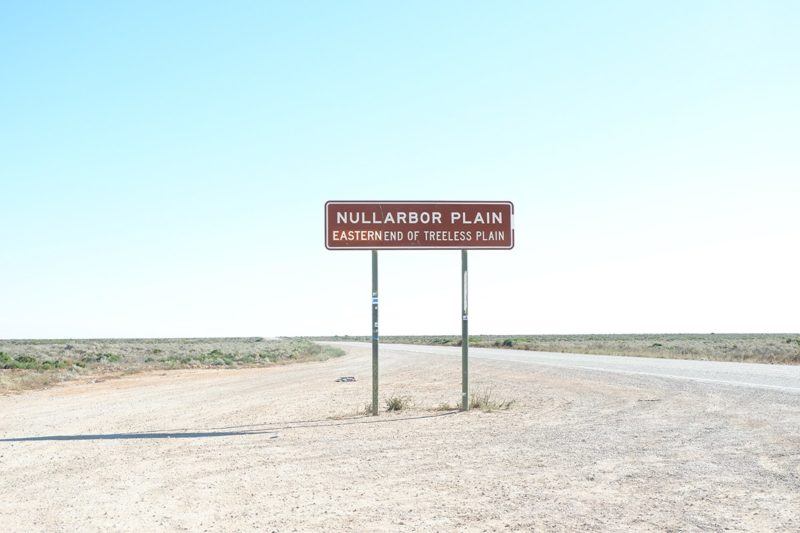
(398, 403)
(445, 406)
(486, 402)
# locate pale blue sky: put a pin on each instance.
(163, 168)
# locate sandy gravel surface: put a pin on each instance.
(258, 449)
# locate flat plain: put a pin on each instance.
(27, 364)
(287, 447)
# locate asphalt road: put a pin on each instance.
(782, 378)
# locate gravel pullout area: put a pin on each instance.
(284, 449)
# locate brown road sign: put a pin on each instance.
(419, 225)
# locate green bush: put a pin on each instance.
(101, 358)
(26, 362)
(6, 361)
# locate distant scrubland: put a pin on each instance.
(741, 347)
(34, 363)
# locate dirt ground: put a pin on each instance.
(282, 449)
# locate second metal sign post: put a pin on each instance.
(464, 334)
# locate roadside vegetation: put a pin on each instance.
(747, 348)
(28, 364)
(483, 399)
(398, 403)
(487, 402)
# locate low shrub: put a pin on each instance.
(398, 403)
(445, 406)
(484, 401)
(101, 358)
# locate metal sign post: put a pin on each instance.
(464, 334)
(374, 332)
(359, 225)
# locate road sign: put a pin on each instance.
(419, 225)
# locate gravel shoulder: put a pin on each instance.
(283, 448)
